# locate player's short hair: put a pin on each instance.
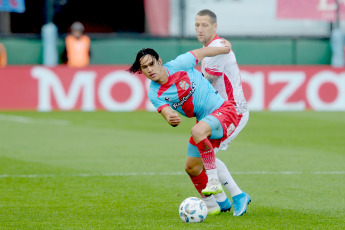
(145, 51)
(209, 13)
(77, 26)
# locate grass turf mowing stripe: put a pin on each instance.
(161, 174)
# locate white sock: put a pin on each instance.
(210, 201)
(212, 173)
(226, 179)
(220, 197)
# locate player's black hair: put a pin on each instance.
(145, 51)
(210, 13)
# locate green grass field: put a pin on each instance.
(103, 170)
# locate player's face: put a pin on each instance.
(152, 68)
(205, 30)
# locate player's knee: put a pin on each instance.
(193, 170)
(197, 134)
(200, 131)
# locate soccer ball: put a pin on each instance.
(193, 210)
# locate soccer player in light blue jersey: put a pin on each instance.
(177, 86)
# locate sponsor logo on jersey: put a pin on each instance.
(167, 99)
(185, 98)
(184, 85)
(214, 68)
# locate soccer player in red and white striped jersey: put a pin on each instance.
(223, 73)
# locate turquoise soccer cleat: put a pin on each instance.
(241, 202)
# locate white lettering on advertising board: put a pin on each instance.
(83, 86)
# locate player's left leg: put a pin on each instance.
(240, 198)
(241, 202)
(226, 179)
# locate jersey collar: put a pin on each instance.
(215, 38)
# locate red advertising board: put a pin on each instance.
(310, 9)
(112, 88)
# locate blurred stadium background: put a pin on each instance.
(291, 53)
(258, 32)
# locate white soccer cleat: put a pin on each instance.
(213, 187)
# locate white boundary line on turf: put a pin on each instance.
(164, 174)
(27, 120)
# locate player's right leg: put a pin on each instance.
(208, 161)
(194, 168)
(200, 133)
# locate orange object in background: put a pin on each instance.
(3, 56)
(78, 50)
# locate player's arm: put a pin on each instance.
(212, 51)
(171, 116)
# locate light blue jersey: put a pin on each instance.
(186, 91)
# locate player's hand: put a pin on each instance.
(174, 119)
(227, 44)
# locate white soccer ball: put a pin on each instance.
(193, 210)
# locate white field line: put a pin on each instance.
(164, 174)
(27, 120)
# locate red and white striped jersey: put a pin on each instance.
(229, 84)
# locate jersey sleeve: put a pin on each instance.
(156, 102)
(214, 65)
(183, 62)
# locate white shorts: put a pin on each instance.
(225, 144)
